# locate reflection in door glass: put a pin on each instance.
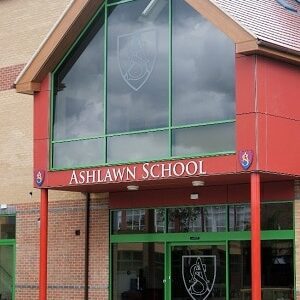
(198, 272)
(138, 271)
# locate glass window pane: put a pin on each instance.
(202, 68)
(138, 220)
(198, 140)
(214, 218)
(137, 74)
(7, 227)
(6, 272)
(239, 217)
(277, 269)
(138, 271)
(277, 216)
(78, 91)
(185, 219)
(137, 147)
(78, 153)
(240, 270)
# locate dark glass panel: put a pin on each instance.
(203, 139)
(138, 221)
(138, 271)
(277, 216)
(197, 219)
(137, 75)
(277, 270)
(198, 272)
(240, 270)
(202, 68)
(239, 217)
(7, 227)
(78, 90)
(137, 147)
(78, 153)
(6, 272)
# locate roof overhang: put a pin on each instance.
(79, 12)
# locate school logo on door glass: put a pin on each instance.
(137, 55)
(199, 274)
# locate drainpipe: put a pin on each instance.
(87, 245)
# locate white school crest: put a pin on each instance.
(199, 274)
(137, 56)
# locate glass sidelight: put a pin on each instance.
(138, 270)
(6, 272)
(198, 272)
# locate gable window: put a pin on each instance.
(146, 80)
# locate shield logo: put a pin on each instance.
(137, 56)
(39, 177)
(199, 275)
(246, 158)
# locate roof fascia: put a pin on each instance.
(222, 21)
(269, 50)
(63, 35)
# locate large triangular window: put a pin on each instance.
(147, 80)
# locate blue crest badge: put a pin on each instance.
(246, 158)
(39, 177)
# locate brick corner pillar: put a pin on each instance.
(43, 243)
(255, 237)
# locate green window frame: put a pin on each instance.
(170, 129)
(192, 238)
(10, 242)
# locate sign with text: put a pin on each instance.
(146, 171)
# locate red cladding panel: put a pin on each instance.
(278, 191)
(245, 137)
(278, 88)
(41, 115)
(157, 198)
(245, 84)
(282, 145)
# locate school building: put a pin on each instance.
(165, 150)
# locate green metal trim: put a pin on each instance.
(52, 108)
(277, 235)
(227, 271)
(105, 83)
(116, 2)
(167, 270)
(143, 161)
(53, 74)
(144, 130)
(170, 79)
(78, 40)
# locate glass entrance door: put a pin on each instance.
(198, 272)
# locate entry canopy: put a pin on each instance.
(265, 27)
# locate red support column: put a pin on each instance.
(255, 237)
(43, 243)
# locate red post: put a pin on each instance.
(255, 237)
(43, 243)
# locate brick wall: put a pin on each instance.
(24, 25)
(66, 250)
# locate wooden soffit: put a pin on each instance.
(56, 45)
(80, 12)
